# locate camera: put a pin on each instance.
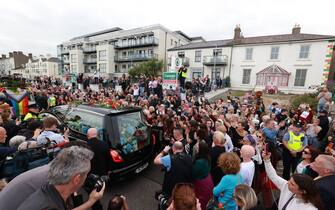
(94, 181)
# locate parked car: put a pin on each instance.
(131, 142)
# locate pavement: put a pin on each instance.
(214, 93)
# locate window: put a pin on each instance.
(73, 69)
(133, 133)
(124, 54)
(171, 42)
(196, 75)
(246, 76)
(304, 51)
(73, 58)
(102, 67)
(130, 66)
(102, 55)
(248, 54)
(274, 53)
(217, 52)
(181, 54)
(82, 121)
(197, 57)
(300, 77)
(175, 43)
(117, 70)
(215, 73)
(124, 67)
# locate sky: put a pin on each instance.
(38, 26)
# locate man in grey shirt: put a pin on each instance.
(22, 186)
(324, 97)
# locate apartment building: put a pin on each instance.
(41, 66)
(112, 52)
(293, 62)
(13, 63)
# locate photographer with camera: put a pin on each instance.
(178, 169)
(66, 175)
(50, 132)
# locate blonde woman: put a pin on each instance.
(245, 197)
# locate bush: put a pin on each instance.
(309, 98)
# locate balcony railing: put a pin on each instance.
(137, 43)
(215, 60)
(66, 60)
(65, 51)
(90, 60)
(135, 57)
(89, 49)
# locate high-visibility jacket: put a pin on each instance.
(29, 116)
(52, 101)
(184, 73)
(296, 142)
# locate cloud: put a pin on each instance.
(39, 26)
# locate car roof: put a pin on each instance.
(107, 111)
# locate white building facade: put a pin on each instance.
(113, 52)
(293, 62)
(41, 66)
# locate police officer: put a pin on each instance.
(182, 72)
(294, 142)
(33, 112)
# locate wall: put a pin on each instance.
(288, 59)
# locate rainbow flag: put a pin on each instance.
(19, 102)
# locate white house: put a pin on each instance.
(293, 62)
(41, 66)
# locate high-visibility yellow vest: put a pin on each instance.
(29, 116)
(295, 142)
(52, 101)
(184, 74)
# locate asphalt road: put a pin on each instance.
(138, 189)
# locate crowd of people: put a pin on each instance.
(223, 154)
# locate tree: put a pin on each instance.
(148, 68)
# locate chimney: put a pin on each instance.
(3, 56)
(10, 54)
(30, 55)
(15, 52)
(237, 32)
(296, 29)
(20, 52)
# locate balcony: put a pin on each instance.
(90, 68)
(65, 51)
(66, 60)
(220, 60)
(89, 49)
(135, 57)
(90, 60)
(138, 43)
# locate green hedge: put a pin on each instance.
(309, 98)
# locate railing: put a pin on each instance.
(215, 60)
(65, 51)
(137, 43)
(89, 49)
(90, 60)
(66, 60)
(135, 57)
